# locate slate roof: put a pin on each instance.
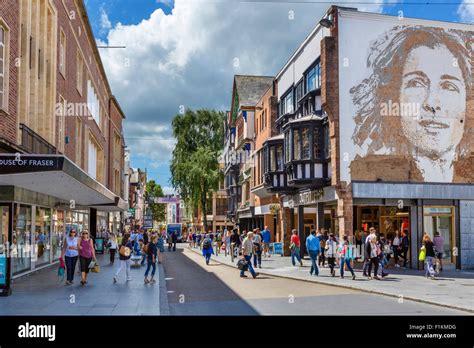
(251, 88)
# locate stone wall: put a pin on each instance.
(466, 214)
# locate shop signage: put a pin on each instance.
(147, 221)
(278, 248)
(306, 198)
(274, 208)
(25, 163)
(169, 200)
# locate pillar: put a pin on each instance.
(93, 223)
(320, 216)
(301, 229)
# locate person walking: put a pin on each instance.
(313, 248)
(322, 245)
(70, 254)
(331, 253)
(247, 250)
(218, 242)
(235, 242)
(228, 234)
(86, 255)
(207, 250)
(438, 241)
(266, 239)
(430, 256)
(160, 247)
(295, 247)
(367, 247)
(404, 245)
(125, 253)
(112, 244)
(346, 256)
(374, 260)
(396, 247)
(383, 250)
(257, 247)
(151, 251)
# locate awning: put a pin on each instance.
(59, 177)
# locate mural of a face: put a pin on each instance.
(433, 83)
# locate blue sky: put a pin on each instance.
(181, 54)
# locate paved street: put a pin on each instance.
(42, 293)
(196, 289)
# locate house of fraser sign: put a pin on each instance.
(309, 197)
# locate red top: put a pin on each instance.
(295, 239)
(86, 250)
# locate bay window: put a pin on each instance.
(316, 143)
(279, 157)
(305, 141)
(296, 144)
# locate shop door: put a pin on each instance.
(441, 220)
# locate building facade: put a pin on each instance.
(61, 136)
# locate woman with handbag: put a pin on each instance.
(151, 251)
(428, 255)
(86, 254)
(125, 253)
(295, 245)
(331, 253)
(71, 254)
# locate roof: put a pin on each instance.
(312, 117)
(277, 137)
(251, 88)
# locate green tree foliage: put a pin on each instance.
(157, 209)
(194, 167)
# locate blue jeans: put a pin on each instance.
(348, 263)
(313, 254)
(257, 258)
(295, 254)
(248, 258)
(208, 257)
(70, 267)
(429, 261)
(149, 265)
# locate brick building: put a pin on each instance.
(61, 135)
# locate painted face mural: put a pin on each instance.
(436, 90)
(415, 104)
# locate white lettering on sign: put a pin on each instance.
(30, 162)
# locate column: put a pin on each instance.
(320, 215)
(93, 223)
(301, 229)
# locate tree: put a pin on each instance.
(157, 209)
(194, 167)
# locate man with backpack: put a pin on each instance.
(207, 250)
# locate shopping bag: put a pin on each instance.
(96, 268)
(422, 255)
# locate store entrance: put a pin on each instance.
(440, 220)
(4, 227)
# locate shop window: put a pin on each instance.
(21, 239)
(4, 222)
(57, 234)
(441, 220)
(42, 235)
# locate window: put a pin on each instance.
(305, 140)
(313, 78)
(296, 144)
(287, 146)
(279, 157)
(3, 67)
(92, 159)
(327, 142)
(299, 90)
(288, 103)
(316, 142)
(80, 72)
(62, 54)
(79, 142)
(272, 159)
(93, 103)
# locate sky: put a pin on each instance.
(182, 54)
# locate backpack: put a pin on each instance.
(322, 243)
(146, 248)
(405, 242)
(206, 244)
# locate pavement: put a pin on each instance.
(195, 288)
(42, 293)
(451, 289)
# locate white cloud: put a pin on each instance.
(466, 11)
(105, 23)
(186, 59)
(167, 190)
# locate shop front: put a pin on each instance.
(43, 197)
(417, 209)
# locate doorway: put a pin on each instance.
(441, 220)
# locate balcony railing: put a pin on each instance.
(32, 142)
